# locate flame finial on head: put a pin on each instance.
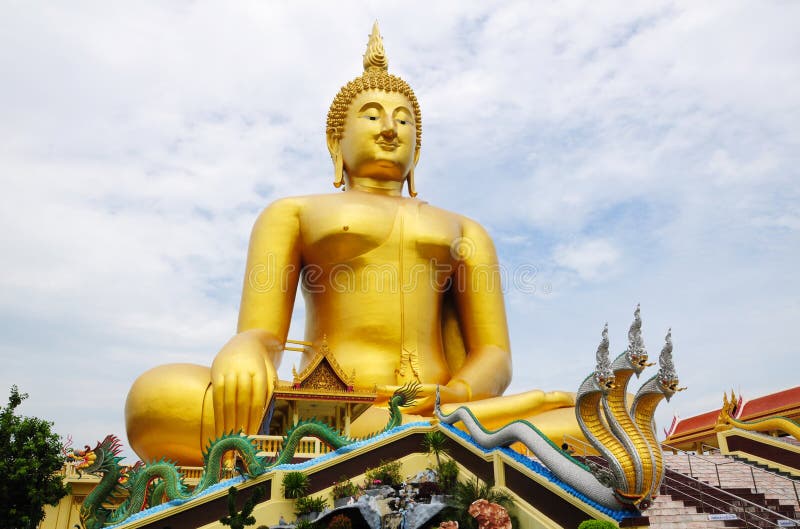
(375, 56)
(666, 372)
(603, 373)
(602, 351)
(637, 353)
(666, 367)
(635, 342)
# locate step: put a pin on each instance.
(670, 513)
(772, 488)
(752, 488)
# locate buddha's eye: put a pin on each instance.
(372, 118)
(402, 121)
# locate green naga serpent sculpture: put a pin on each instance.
(143, 486)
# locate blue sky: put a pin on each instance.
(641, 153)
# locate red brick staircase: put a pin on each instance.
(717, 485)
(700, 491)
(669, 513)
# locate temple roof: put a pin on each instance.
(693, 424)
(700, 428)
(780, 403)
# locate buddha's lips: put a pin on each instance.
(388, 145)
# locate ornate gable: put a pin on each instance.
(323, 373)
(323, 377)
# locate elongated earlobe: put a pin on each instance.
(412, 188)
(338, 160)
(338, 170)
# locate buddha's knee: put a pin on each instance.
(169, 413)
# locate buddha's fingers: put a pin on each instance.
(229, 404)
(258, 404)
(498, 411)
(243, 403)
(218, 396)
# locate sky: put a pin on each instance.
(617, 153)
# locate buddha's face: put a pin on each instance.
(379, 137)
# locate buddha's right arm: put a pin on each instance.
(244, 371)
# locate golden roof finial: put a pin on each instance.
(375, 56)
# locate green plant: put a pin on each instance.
(30, 457)
(319, 504)
(344, 488)
(387, 473)
(465, 493)
(309, 504)
(448, 475)
(340, 521)
(302, 506)
(241, 519)
(435, 443)
(596, 524)
(295, 485)
(304, 524)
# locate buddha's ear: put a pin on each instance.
(412, 187)
(333, 145)
(335, 148)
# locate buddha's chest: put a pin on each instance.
(362, 234)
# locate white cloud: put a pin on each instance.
(591, 260)
(632, 153)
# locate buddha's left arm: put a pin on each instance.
(486, 371)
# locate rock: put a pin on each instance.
(393, 520)
(423, 476)
(416, 515)
(489, 515)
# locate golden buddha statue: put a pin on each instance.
(403, 291)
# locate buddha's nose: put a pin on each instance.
(388, 128)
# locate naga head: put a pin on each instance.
(667, 377)
(603, 375)
(93, 460)
(636, 352)
(407, 395)
(728, 410)
(83, 460)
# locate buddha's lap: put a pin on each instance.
(170, 408)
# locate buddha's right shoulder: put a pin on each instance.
(293, 207)
(285, 204)
(278, 212)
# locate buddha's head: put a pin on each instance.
(374, 126)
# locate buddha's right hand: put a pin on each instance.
(242, 376)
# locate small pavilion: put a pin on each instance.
(323, 391)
